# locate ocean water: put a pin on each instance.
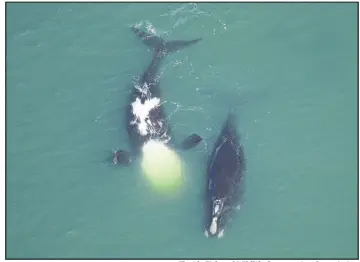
(289, 70)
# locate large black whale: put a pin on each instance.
(145, 116)
(225, 171)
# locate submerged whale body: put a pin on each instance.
(225, 171)
(145, 116)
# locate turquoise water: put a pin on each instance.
(290, 70)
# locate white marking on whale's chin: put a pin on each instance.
(213, 226)
(141, 112)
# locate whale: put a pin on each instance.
(225, 173)
(145, 115)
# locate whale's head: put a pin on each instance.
(215, 225)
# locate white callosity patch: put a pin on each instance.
(141, 113)
(206, 233)
(218, 206)
(216, 209)
(221, 233)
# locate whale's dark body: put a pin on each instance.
(225, 171)
(145, 116)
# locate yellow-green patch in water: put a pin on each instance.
(162, 167)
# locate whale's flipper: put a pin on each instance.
(159, 44)
(122, 157)
(173, 46)
(191, 141)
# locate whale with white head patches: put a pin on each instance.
(145, 117)
(225, 172)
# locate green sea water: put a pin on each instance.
(289, 70)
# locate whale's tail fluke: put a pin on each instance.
(159, 44)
